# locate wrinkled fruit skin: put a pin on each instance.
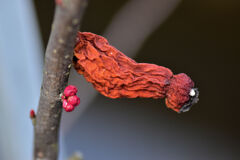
(178, 91)
(115, 75)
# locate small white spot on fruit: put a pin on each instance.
(192, 92)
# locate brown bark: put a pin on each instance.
(58, 60)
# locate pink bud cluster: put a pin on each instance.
(69, 98)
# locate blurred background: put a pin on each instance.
(199, 38)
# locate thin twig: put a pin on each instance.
(58, 60)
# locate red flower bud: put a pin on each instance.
(74, 100)
(32, 114)
(69, 107)
(70, 91)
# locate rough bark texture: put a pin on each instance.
(115, 75)
(58, 60)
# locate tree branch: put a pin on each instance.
(58, 60)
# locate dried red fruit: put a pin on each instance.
(70, 91)
(115, 75)
(74, 100)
